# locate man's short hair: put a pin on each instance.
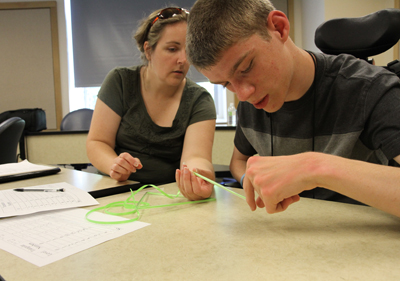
(216, 25)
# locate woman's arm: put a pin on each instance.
(100, 144)
(197, 156)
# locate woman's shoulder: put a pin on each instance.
(199, 99)
(124, 70)
(194, 89)
(122, 76)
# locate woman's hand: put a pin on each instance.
(192, 187)
(123, 166)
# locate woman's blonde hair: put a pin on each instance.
(152, 32)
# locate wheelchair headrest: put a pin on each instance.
(361, 37)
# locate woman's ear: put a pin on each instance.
(147, 50)
(278, 22)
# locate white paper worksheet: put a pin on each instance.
(46, 237)
(14, 203)
(21, 167)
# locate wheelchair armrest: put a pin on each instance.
(361, 37)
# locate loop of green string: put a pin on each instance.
(134, 206)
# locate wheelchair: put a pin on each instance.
(362, 37)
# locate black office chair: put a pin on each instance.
(78, 120)
(362, 37)
(10, 134)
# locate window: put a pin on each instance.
(96, 18)
(218, 92)
(86, 98)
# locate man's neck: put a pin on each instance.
(303, 74)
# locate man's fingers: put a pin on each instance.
(249, 192)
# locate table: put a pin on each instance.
(224, 240)
(96, 184)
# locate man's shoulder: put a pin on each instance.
(348, 66)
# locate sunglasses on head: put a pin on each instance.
(166, 14)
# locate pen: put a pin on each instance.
(39, 190)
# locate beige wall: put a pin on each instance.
(62, 39)
(30, 59)
(71, 148)
(354, 8)
(223, 147)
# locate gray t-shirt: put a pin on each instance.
(158, 148)
(352, 110)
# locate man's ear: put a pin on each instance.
(278, 22)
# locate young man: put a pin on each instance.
(320, 124)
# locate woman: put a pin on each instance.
(151, 124)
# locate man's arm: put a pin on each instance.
(278, 180)
(373, 184)
(238, 164)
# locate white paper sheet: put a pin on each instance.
(21, 167)
(14, 203)
(50, 236)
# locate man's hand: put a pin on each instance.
(277, 180)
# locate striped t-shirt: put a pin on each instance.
(352, 110)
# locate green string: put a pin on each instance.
(135, 206)
(219, 185)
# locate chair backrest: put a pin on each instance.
(78, 120)
(10, 133)
(361, 37)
